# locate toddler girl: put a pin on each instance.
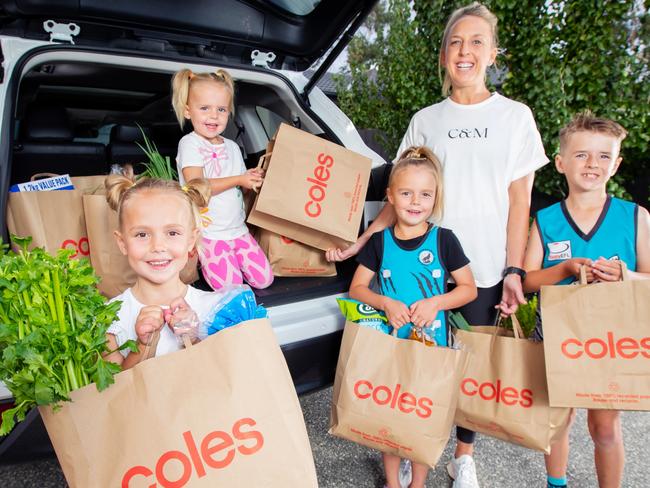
(158, 227)
(228, 252)
(412, 262)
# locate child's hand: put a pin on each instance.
(424, 312)
(397, 313)
(150, 319)
(606, 269)
(574, 265)
(252, 179)
(181, 318)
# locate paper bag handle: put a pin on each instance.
(263, 162)
(39, 176)
(150, 348)
(625, 276)
(516, 326)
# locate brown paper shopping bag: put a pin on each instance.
(503, 393)
(597, 344)
(54, 219)
(291, 258)
(206, 416)
(314, 187)
(107, 260)
(395, 395)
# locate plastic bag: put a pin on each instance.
(364, 314)
(236, 305)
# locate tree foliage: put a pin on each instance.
(560, 58)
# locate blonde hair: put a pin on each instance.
(422, 157)
(182, 83)
(120, 189)
(586, 121)
(475, 9)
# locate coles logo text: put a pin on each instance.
(393, 398)
(316, 192)
(607, 347)
(498, 393)
(216, 450)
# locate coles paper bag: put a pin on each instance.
(503, 393)
(107, 260)
(313, 190)
(395, 395)
(54, 219)
(206, 416)
(597, 344)
(291, 258)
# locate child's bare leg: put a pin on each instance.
(605, 430)
(557, 461)
(391, 470)
(420, 472)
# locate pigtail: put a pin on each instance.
(116, 187)
(222, 76)
(198, 191)
(180, 92)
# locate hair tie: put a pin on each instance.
(185, 188)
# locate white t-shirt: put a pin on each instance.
(483, 148)
(225, 217)
(202, 302)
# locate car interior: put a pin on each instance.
(80, 118)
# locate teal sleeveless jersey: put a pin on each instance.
(613, 236)
(411, 275)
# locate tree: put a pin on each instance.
(560, 58)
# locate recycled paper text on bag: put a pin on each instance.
(316, 183)
(597, 344)
(206, 416)
(504, 393)
(395, 395)
(54, 219)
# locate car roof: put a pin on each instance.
(297, 32)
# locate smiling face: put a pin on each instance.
(588, 160)
(208, 108)
(413, 194)
(156, 235)
(469, 51)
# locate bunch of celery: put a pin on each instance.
(53, 324)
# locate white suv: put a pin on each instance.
(77, 76)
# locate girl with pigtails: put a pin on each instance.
(227, 252)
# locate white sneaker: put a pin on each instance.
(463, 471)
(405, 473)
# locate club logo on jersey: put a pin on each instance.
(559, 250)
(425, 257)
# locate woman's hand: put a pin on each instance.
(150, 319)
(397, 313)
(606, 270)
(512, 296)
(337, 255)
(424, 312)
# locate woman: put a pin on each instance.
(489, 147)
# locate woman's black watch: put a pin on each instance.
(514, 270)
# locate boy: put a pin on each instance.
(593, 229)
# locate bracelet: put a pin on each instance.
(514, 270)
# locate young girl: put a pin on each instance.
(158, 228)
(228, 250)
(412, 261)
